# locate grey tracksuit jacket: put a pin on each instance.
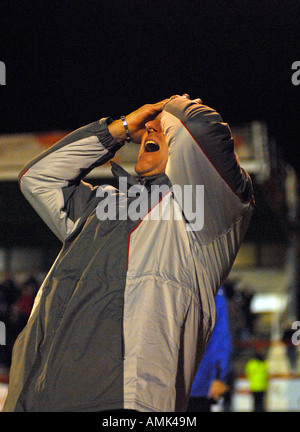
(124, 314)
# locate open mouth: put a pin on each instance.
(151, 146)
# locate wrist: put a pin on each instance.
(117, 130)
(124, 121)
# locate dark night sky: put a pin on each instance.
(71, 62)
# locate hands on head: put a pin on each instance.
(137, 120)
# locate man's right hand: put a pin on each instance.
(136, 122)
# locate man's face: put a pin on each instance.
(153, 155)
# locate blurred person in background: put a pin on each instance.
(18, 313)
(9, 293)
(247, 295)
(256, 371)
(291, 349)
(236, 316)
(9, 290)
(213, 375)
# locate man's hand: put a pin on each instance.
(217, 389)
(137, 119)
(198, 100)
(136, 122)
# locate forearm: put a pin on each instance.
(213, 137)
(44, 180)
(73, 156)
(201, 153)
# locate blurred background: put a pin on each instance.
(69, 63)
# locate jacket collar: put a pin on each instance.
(146, 181)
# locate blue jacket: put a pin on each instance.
(215, 363)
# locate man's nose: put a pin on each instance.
(153, 126)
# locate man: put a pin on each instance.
(124, 315)
(291, 349)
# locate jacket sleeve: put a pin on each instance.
(52, 181)
(202, 157)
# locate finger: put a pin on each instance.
(162, 102)
(186, 95)
(174, 96)
(158, 106)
